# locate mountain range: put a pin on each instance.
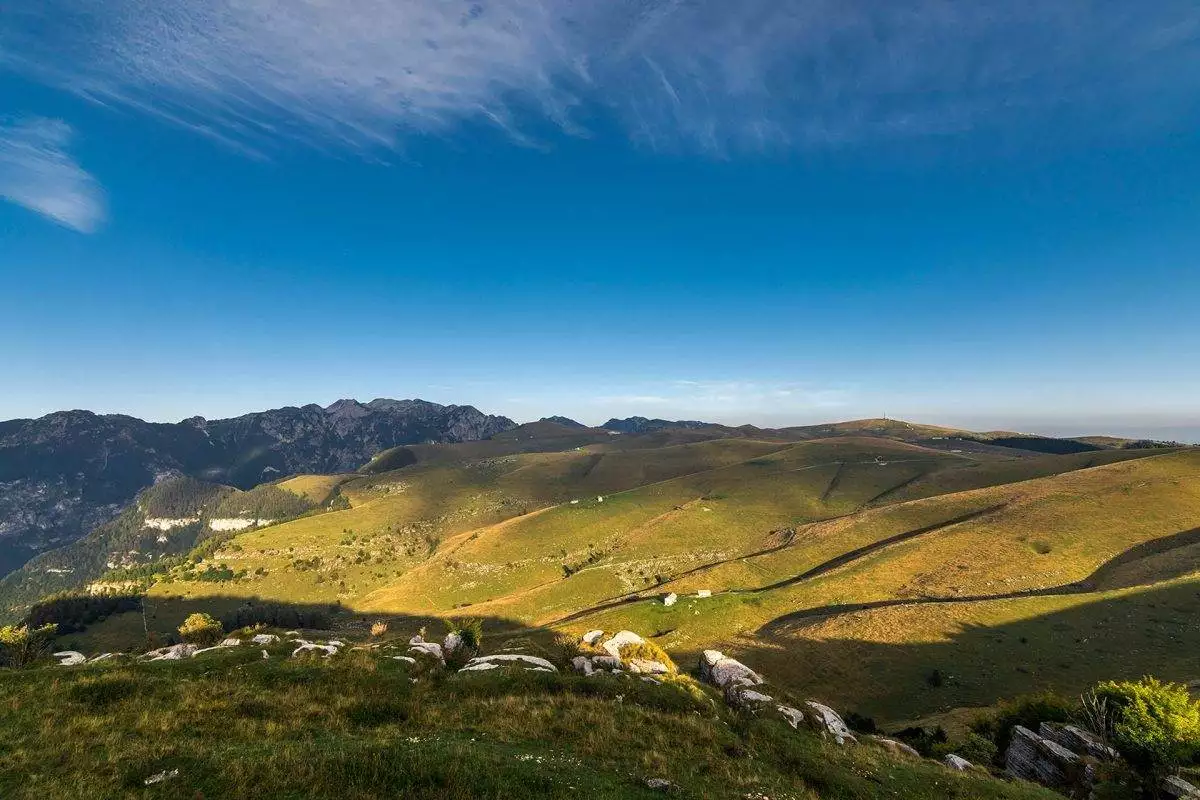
(64, 474)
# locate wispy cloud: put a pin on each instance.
(711, 75)
(37, 172)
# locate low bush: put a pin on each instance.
(201, 629)
(21, 645)
(1155, 726)
(1029, 711)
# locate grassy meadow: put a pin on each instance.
(851, 567)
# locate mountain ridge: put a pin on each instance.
(65, 473)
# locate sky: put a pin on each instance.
(774, 212)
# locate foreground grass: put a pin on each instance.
(358, 726)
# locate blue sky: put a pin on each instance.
(783, 212)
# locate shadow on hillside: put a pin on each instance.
(137, 623)
(850, 662)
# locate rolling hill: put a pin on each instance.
(853, 560)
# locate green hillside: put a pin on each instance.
(235, 724)
(841, 562)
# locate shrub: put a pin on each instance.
(21, 645)
(201, 629)
(923, 740)
(974, 748)
(1154, 725)
(471, 631)
(648, 651)
(378, 629)
(861, 724)
(1029, 711)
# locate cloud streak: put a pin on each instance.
(706, 75)
(37, 172)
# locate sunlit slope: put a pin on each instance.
(587, 552)
(317, 489)
(1051, 582)
(399, 519)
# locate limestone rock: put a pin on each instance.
(1040, 760)
(69, 658)
(743, 697)
(620, 639)
(582, 664)
(231, 642)
(418, 646)
(644, 666)
(670, 599)
(452, 642)
(1077, 740)
(957, 763)
(405, 659)
(103, 657)
(894, 747)
(591, 637)
(176, 652)
(704, 593)
(525, 662)
(658, 784)
(794, 716)
(309, 647)
(1177, 788)
(723, 672)
(159, 777)
(826, 720)
(265, 638)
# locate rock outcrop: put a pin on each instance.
(1177, 788)
(1077, 740)
(724, 672)
(1034, 758)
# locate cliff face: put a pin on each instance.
(65, 473)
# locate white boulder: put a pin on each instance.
(670, 599)
(452, 642)
(592, 636)
(264, 638)
(724, 672)
(525, 662)
(176, 652)
(828, 721)
(230, 642)
(327, 649)
(69, 658)
(957, 763)
(645, 666)
(620, 639)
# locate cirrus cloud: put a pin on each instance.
(37, 172)
(706, 75)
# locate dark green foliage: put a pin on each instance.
(975, 748)
(263, 502)
(1029, 711)
(1042, 444)
(470, 629)
(923, 740)
(277, 615)
(72, 612)
(857, 722)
